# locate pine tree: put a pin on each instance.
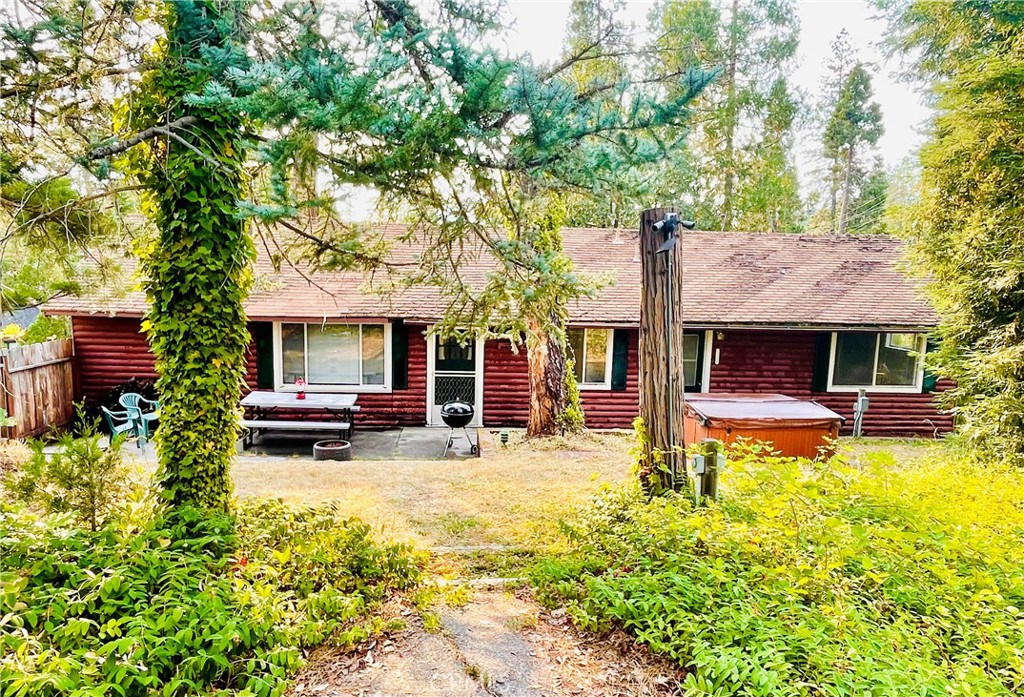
(219, 114)
(855, 124)
(837, 70)
(868, 206)
(604, 127)
(740, 172)
(595, 30)
(967, 233)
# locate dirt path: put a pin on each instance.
(499, 644)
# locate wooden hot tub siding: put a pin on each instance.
(109, 351)
(803, 441)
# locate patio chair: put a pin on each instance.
(137, 405)
(121, 425)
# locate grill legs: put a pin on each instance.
(451, 441)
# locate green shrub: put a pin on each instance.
(184, 605)
(81, 477)
(46, 328)
(572, 419)
(813, 578)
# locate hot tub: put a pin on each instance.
(797, 428)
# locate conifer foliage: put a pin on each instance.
(967, 229)
(740, 172)
(235, 120)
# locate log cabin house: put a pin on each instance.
(811, 317)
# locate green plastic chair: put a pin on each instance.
(121, 424)
(136, 405)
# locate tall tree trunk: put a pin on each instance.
(844, 215)
(661, 380)
(546, 363)
(833, 199)
(198, 271)
(730, 121)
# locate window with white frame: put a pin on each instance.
(691, 359)
(349, 355)
(880, 360)
(591, 350)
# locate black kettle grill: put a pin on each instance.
(457, 414)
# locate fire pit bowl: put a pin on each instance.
(332, 450)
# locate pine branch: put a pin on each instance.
(152, 132)
(21, 88)
(325, 245)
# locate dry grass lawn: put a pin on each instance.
(509, 496)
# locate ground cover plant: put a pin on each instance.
(183, 603)
(831, 578)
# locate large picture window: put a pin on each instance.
(329, 355)
(876, 360)
(591, 349)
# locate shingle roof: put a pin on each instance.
(729, 279)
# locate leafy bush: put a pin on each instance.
(46, 328)
(184, 605)
(81, 477)
(572, 419)
(813, 578)
(6, 420)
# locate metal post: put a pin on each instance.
(709, 480)
(859, 407)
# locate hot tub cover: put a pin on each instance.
(758, 410)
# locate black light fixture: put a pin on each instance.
(668, 227)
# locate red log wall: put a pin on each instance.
(783, 362)
(109, 351)
(507, 390)
(506, 385)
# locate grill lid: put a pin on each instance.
(457, 408)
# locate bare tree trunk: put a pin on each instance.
(730, 123)
(833, 200)
(546, 361)
(844, 216)
(661, 380)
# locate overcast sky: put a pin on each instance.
(540, 28)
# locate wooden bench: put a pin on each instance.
(344, 428)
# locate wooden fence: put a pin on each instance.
(37, 387)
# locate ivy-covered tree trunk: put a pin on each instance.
(198, 270)
(546, 363)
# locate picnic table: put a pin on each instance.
(262, 405)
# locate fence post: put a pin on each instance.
(708, 482)
(6, 384)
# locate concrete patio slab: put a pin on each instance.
(410, 443)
